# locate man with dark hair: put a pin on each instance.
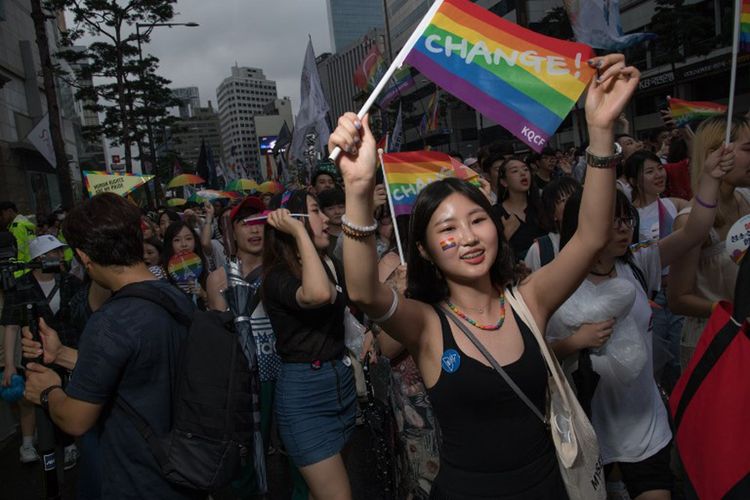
(332, 204)
(127, 354)
(546, 164)
(22, 229)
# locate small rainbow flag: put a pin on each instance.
(524, 81)
(400, 82)
(745, 26)
(408, 173)
(685, 112)
(369, 72)
(430, 118)
(446, 245)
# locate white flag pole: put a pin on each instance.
(390, 204)
(396, 64)
(733, 77)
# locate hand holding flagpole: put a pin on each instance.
(396, 64)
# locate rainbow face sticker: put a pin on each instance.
(448, 244)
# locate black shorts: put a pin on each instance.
(653, 473)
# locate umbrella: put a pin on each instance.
(242, 185)
(211, 194)
(176, 202)
(586, 380)
(237, 295)
(272, 187)
(184, 180)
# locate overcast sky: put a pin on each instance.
(267, 34)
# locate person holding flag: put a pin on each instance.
(495, 442)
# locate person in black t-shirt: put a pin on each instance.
(518, 206)
(305, 300)
(119, 354)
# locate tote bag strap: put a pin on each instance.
(514, 298)
(496, 366)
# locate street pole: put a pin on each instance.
(53, 108)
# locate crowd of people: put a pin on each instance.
(617, 251)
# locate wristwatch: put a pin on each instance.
(44, 396)
(604, 161)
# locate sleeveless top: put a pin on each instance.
(715, 280)
(493, 445)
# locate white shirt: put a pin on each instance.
(626, 188)
(47, 286)
(630, 419)
(533, 258)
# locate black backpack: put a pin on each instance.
(212, 424)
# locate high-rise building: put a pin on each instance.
(337, 73)
(349, 20)
(26, 177)
(189, 133)
(241, 96)
(189, 98)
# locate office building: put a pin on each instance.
(188, 134)
(349, 20)
(242, 95)
(189, 98)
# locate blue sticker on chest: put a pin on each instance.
(450, 361)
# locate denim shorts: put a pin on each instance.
(315, 409)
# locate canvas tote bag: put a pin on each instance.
(574, 437)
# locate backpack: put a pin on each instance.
(212, 421)
(546, 250)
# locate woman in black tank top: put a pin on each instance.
(494, 445)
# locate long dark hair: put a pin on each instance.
(634, 169)
(623, 208)
(280, 249)
(168, 251)
(557, 188)
(425, 282)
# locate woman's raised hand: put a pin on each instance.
(720, 161)
(610, 91)
(358, 159)
(283, 220)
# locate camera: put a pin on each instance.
(9, 263)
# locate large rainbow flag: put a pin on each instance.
(408, 173)
(745, 26)
(683, 112)
(524, 81)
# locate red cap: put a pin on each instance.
(252, 202)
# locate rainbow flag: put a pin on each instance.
(408, 173)
(524, 81)
(684, 112)
(430, 118)
(119, 183)
(400, 82)
(745, 26)
(369, 72)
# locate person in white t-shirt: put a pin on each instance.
(627, 412)
(647, 176)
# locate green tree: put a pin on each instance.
(126, 89)
(683, 31)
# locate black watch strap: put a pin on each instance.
(44, 396)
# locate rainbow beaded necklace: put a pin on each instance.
(473, 322)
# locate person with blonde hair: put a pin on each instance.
(707, 274)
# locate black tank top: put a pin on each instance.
(493, 445)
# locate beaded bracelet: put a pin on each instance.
(362, 229)
(704, 204)
(355, 234)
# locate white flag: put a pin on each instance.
(41, 138)
(597, 23)
(397, 137)
(313, 108)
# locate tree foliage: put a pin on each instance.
(126, 89)
(683, 31)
